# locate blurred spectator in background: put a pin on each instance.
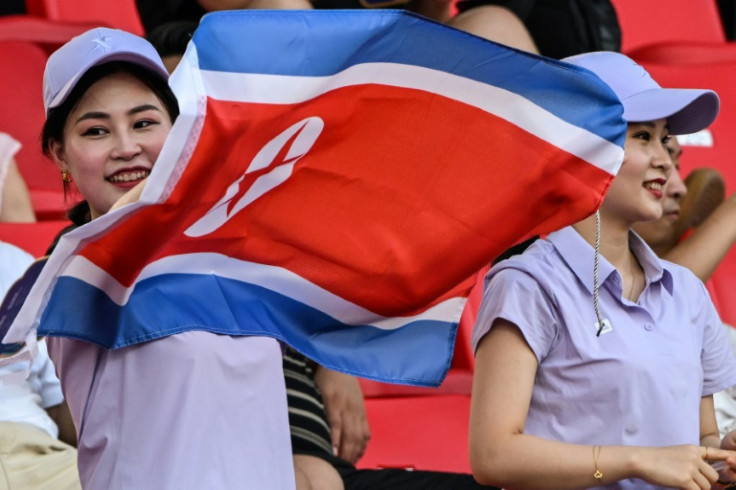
(170, 40)
(15, 202)
(153, 13)
(12, 7)
(697, 229)
(727, 9)
(36, 431)
(558, 28)
(555, 28)
(493, 22)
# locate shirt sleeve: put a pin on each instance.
(717, 357)
(47, 384)
(8, 148)
(517, 297)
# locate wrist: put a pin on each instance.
(633, 462)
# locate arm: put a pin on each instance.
(702, 251)
(502, 455)
(51, 396)
(16, 201)
(63, 418)
(496, 23)
(709, 435)
(345, 409)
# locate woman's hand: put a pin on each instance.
(685, 467)
(131, 196)
(345, 409)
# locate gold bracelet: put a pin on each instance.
(596, 453)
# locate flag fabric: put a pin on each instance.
(333, 179)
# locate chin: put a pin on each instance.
(652, 214)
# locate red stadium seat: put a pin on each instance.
(22, 117)
(34, 238)
(661, 21)
(48, 34)
(418, 432)
(121, 14)
(685, 53)
(425, 428)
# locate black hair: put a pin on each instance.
(171, 38)
(515, 249)
(53, 128)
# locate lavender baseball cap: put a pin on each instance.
(70, 62)
(686, 110)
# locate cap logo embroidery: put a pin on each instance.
(102, 43)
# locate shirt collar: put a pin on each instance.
(579, 257)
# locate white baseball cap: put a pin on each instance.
(66, 66)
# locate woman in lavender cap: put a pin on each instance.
(194, 410)
(597, 361)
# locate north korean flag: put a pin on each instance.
(333, 180)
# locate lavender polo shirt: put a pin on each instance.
(193, 410)
(639, 383)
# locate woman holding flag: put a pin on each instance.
(191, 410)
(596, 361)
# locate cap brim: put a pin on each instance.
(686, 110)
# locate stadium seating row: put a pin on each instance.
(34, 238)
(22, 117)
(668, 21)
(122, 14)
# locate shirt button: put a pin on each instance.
(649, 326)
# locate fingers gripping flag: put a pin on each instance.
(334, 178)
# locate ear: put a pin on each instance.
(57, 154)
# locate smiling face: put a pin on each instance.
(637, 191)
(112, 137)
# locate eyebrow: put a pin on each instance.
(650, 124)
(105, 115)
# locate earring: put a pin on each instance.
(65, 176)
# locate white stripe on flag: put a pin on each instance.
(273, 278)
(283, 89)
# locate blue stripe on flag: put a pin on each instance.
(334, 44)
(172, 303)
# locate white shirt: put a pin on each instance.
(13, 263)
(725, 401)
(25, 402)
(8, 148)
